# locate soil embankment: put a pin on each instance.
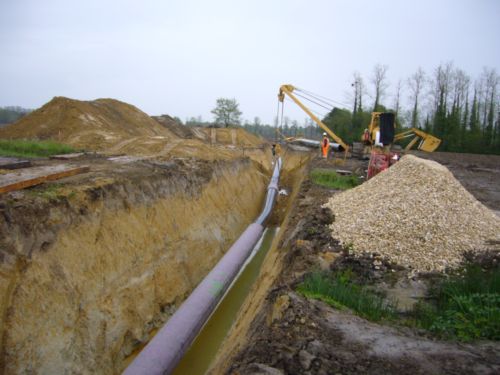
(92, 264)
(281, 332)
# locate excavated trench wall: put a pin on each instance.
(83, 284)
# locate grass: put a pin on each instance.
(32, 149)
(339, 291)
(465, 307)
(333, 180)
(50, 192)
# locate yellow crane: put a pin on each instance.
(428, 142)
(288, 90)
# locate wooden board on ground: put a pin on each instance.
(13, 163)
(67, 156)
(343, 172)
(34, 176)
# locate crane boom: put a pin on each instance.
(288, 89)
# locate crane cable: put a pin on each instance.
(321, 115)
(322, 98)
(312, 101)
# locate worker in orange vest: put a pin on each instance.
(325, 145)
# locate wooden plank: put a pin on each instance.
(14, 163)
(67, 156)
(343, 172)
(36, 176)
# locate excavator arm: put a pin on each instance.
(288, 90)
(428, 142)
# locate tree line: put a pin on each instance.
(448, 103)
(9, 115)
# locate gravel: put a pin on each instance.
(416, 214)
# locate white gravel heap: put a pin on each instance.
(416, 214)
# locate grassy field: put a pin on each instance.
(32, 149)
(333, 180)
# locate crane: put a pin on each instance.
(288, 90)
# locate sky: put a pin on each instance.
(177, 57)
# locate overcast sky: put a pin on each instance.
(179, 56)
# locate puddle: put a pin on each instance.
(204, 349)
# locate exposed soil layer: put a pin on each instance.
(285, 333)
(91, 265)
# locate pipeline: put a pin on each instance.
(162, 354)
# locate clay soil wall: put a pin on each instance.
(84, 282)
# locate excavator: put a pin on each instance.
(383, 122)
(380, 131)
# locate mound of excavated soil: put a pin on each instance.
(416, 214)
(229, 136)
(178, 129)
(86, 124)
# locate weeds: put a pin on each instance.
(32, 149)
(340, 291)
(465, 307)
(333, 180)
(51, 192)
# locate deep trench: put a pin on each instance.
(80, 296)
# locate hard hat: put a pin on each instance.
(324, 134)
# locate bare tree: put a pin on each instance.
(379, 83)
(359, 89)
(416, 83)
(490, 80)
(397, 98)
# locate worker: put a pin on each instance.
(325, 145)
(365, 138)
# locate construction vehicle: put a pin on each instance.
(288, 90)
(382, 126)
(380, 131)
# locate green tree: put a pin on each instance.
(340, 122)
(227, 112)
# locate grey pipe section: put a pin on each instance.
(162, 354)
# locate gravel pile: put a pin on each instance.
(416, 214)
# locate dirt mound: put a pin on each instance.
(415, 213)
(171, 124)
(229, 136)
(86, 124)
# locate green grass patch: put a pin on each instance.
(338, 290)
(32, 149)
(333, 180)
(465, 307)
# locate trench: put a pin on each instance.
(204, 349)
(141, 233)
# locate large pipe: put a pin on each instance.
(162, 354)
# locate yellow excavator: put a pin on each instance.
(383, 122)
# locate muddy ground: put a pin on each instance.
(294, 335)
